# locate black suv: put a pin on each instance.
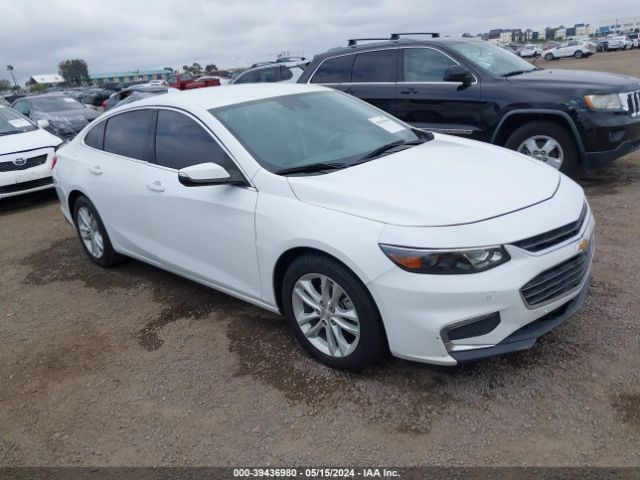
(466, 87)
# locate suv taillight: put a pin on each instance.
(54, 160)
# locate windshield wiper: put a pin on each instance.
(519, 72)
(312, 168)
(385, 148)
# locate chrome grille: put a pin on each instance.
(633, 103)
(30, 163)
(557, 281)
(555, 236)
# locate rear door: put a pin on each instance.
(113, 174)
(374, 77)
(426, 101)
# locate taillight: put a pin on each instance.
(54, 160)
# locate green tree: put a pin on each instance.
(210, 68)
(10, 70)
(37, 88)
(75, 72)
(4, 84)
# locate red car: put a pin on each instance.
(184, 81)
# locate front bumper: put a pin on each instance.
(417, 309)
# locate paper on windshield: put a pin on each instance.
(19, 123)
(70, 100)
(386, 123)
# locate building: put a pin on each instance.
(540, 35)
(133, 76)
(506, 36)
(619, 25)
(582, 29)
(50, 80)
(560, 33)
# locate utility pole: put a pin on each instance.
(10, 69)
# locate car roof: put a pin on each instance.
(394, 43)
(214, 97)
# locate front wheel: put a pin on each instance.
(548, 142)
(578, 54)
(548, 57)
(332, 313)
(93, 236)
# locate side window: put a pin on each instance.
(285, 73)
(128, 133)
(248, 77)
(95, 137)
(181, 142)
(425, 65)
(377, 66)
(22, 107)
(334, 70)
(268, 75)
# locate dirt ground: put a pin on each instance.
(135, 366)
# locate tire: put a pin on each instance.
(570, 161)
(83, 209)
(578, 54)
(365, 350)
(548, 57)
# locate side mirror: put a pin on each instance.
(458, 74)
(208, 174)
(43, 123)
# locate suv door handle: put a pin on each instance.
(410, 91)
(96, 170)
(156, 186)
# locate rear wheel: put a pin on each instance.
(548, 57)
(93, 236)
(548, 142)
(578, 54)
(332, 313)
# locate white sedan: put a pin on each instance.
(26, 154)
(531, 51)
(569, 49)
(368, 235)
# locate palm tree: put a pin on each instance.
(10, 70)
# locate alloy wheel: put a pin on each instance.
(543, 148)
(326, 315)
(90, 232)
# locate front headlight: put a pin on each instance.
(446, 262)
(612, 101)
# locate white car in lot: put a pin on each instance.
(283, 70)
(367, 234)
(531, 51)
(26, 154)
(619, 42)
(569, 49)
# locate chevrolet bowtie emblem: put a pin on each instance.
(583, 245)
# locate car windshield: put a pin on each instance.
(12, 122)
(492, 58)
(314, 129)
(54, 104)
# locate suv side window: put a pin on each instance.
(248, 77)
(379, 66)
(95, 136)
(425, 65)
(181, 142)
(334, 70)
(127, 134)
(285, 73)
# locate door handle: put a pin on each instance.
(96, 170)
(410, 91)
(156, 186)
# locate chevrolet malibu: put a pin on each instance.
(367, 234)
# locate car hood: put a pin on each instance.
(447, 181)
(576, 79)
(20, 142)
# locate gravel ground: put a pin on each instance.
(135, 366)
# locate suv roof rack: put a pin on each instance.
(354, 41)
(396, 36)
(279, 60)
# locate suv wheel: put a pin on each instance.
(578, 54)
(548, 57)
(547, 142)
(332, 313)
(93, 235)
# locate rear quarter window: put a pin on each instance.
(95, 136)
(128, 134)
(334, 70)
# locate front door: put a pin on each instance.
(202, 231)
(426, 101)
